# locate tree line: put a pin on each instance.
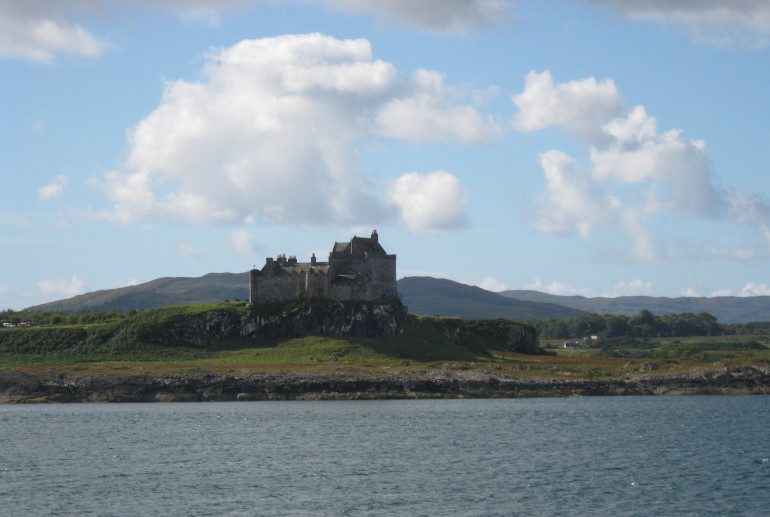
(643, 325)
(56, 318)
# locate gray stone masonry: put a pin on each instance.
(356, 270)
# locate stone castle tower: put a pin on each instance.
(357, 270)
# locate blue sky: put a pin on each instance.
(592, 147)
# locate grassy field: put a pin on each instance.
(367, 357)
(130, 346)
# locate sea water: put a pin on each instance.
(706, 455)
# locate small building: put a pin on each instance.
(359, 269)
(571, 344)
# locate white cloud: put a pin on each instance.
(636, 175)
(54, 188)
(745, 22)
(558, 288)
(61, 288)
(577, 107)
(37, 30)
(752, 289)
(492, 284)
(574, 201)
(241, 241)
(187, 250)
(676, 169)
(636, 287)
(441, 16)
(694, 288)
(430, 203)
(751, 209)
(271, 135)
(427, 114)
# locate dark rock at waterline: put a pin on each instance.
(20, 387)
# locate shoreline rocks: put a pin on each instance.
(22, 387)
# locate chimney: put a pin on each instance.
(374, 236)
(312, 259)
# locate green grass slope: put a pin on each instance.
(149, 336)
(207, 289)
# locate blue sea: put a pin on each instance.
(696, 455)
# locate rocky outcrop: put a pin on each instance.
(19, 387)
(328, 318)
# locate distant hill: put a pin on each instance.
(423, 295)
(726, 309)
(438, 296)
(211, 288)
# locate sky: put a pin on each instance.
(575, 147)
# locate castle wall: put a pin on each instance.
(270, 288)
(383, 277)
(317, 285)
(353, 274)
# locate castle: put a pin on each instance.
(356, 270)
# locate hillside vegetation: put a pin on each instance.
(351, 332)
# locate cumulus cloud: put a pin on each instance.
(430, 203)
(271, 134)
(636, 287)
(54, 188)
(577, 107)
(492, 284)
(558, 288)
(574, 202)
(635, 175)
(38, 30)
(62, 288)
(441, 16)
(694, 288)
(752, 289)
(751, 209)
(429, 115)
(241, 241)
(745, 22)
(187, 250)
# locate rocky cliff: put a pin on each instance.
(340, 319)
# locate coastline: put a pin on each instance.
(22, 387)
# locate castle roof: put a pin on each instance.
(297, 267)
(359, 245)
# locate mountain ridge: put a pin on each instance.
(423, 295)
(727, 309)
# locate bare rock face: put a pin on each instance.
(333, 318)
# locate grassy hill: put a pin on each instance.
(294, 333)
(207, 289)
(727, 309)
(423, 295)
(429, 296)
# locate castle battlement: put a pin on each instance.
(359, 269)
